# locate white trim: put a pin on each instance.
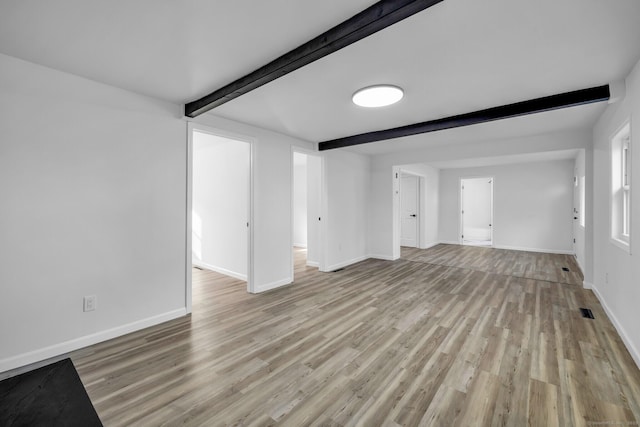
(384, 257)
(621, 331)
(323, 214)
(515, 248)
(87, 340)
(346, 263)
(395, 214)
(189, 226)
(449, 242)
(625, 246)
(549, 251)
(621, 241)
(587, 285)
(220, 270)
(194, 126)
(250, 250)
(300, 245)
(272, 285)
(461, 208)
(430, 245)
(419, 214)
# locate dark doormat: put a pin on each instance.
(49, 396)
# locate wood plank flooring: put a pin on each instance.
(449, 336)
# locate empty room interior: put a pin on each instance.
(392, 213)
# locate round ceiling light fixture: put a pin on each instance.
(377, 96)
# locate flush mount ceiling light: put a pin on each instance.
(377, 96)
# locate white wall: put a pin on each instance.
(616, 272)
(93, 184)
(220, 204)
(344, 212)
(532, 205)
(272, 184)
(347, 189)
(300, 200)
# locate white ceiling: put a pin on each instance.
(173, 50)
(458, 56)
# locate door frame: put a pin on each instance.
(323, 209)
(197, 127)
(396, 173)
(419, 185)
(461, 207)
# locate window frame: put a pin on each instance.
(583, 201)
(620, 152)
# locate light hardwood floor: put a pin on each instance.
(447, 336)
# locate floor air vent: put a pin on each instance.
(197, 268)
(586, 313)
(565, 269)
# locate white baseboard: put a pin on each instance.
(346, 263)
(384, 257)
(273, 285)
(87, 340)
(313, 264)
(519, 248)
(300, 245)
(621, 331)
(429, 245)
(220, 270)
(587, 285)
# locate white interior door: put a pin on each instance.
(409, 207)
(477, 211)
(307, 207)
(576, 208)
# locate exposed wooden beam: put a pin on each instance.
(538, 105)
(371, 20)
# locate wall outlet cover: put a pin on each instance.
(90, 303)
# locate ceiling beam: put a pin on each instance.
(533, 106)
(371, 20)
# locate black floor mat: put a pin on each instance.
(49, 396)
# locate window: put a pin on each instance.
(626, 188)
(583, 202)
(621, 187)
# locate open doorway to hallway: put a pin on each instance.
(476, 211)
(306, 210)
(220, 203)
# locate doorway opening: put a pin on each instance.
(476, 211)
(409, 210)
(219, 205)
(306, 210)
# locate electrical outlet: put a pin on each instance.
(90, 303)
